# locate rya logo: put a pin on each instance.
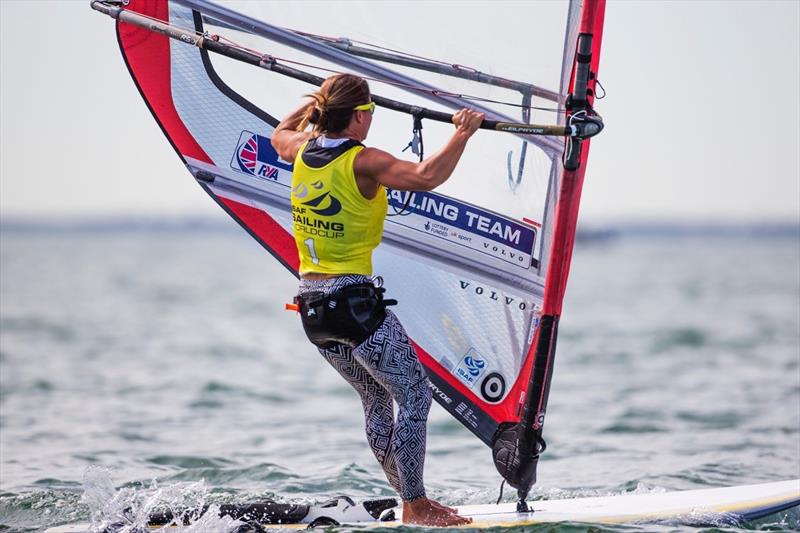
(255, 156)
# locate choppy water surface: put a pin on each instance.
(143, 369)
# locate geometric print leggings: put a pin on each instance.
(384, 368)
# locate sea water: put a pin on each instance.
(153, 368)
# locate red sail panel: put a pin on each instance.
(147, 55)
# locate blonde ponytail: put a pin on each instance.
(334, 103)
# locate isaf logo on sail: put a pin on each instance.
(471, 367)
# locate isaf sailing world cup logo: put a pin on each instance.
(255, 156)
(322, 203)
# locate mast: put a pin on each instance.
(517, 448)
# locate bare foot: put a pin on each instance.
(425, 512)
(443, 506)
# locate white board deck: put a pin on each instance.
(703, 506)
(747, 502)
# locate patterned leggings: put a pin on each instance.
(381, 369)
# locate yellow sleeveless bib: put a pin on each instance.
(335, 227)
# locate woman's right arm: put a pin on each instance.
(286, 139)
(401, 175)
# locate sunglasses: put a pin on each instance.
(365, 107)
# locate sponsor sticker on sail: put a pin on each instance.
(255, 156)
(471, 367)
(467, 226)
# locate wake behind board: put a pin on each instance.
(716, 506)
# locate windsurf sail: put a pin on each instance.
(480, 266)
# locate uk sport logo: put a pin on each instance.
(255, 156)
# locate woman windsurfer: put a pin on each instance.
(339, 204)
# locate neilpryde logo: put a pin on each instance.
(471, 367)
(332, 206)
(255, 155)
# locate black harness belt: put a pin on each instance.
(347, 316)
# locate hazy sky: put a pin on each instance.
(702, 113)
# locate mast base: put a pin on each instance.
(516, 467)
